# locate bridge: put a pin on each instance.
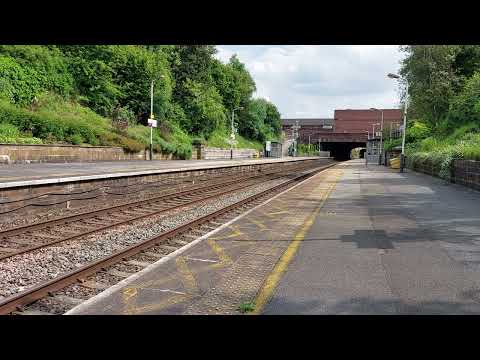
(348, 129)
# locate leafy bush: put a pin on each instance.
(389, 144)
(46, 62)
(9, 134)
(18, 85)
(131, 145)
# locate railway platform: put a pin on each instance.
(350, 240)
(25, 175)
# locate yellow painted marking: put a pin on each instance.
(274, 277)
(187, 277)
(272, 215)
(259, 223)
(235, 233)
(222, 255)
(159, 306)
(129, 296)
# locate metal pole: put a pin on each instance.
(231, 138)
(381, 143)
(402, 159)
(151, 117)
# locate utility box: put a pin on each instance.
(273, 149)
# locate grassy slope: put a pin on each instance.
(56, 121)
(463, 143)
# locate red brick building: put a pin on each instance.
(347, 130)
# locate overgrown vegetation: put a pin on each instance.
(307, 150)
(444, 91)
(246, 307)
(100, 95)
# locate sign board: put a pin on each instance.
(152, 123)
(268, 146)
(401, 127)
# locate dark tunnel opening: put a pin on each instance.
(340, 151)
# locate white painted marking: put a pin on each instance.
(205, 260)
(167, 290)
(117, 287)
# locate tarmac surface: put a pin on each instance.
(44, 173)
(351, 240)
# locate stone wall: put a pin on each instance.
(211, 153)
(65, 153)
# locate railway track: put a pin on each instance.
(140, 254)
(31, 237)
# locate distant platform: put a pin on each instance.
(21, 175)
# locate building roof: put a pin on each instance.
(307, 121)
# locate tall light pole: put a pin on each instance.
(402, 157)
(381, 137)
(232, 133)
(152, 117)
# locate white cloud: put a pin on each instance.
(313, 81)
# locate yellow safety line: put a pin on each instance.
(187, 277)
(274, 277)
(222, 255)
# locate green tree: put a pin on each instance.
(18, 84)
(204, 108)
(46, 62)
(93, 74)
(465, 107)
(432, 79)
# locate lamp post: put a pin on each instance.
(402, 157)
(232, 133)
(152, 117)
(381, 137)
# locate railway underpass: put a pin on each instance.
(340, 151)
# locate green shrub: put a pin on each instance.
(76, 139)
(8, 131)
(18, 85)
(131, 146)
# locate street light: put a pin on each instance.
(232, 134)
(402, 157)
(381, 138)
(152, 117)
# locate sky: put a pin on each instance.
(313, 80)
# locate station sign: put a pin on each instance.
(152, 123)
